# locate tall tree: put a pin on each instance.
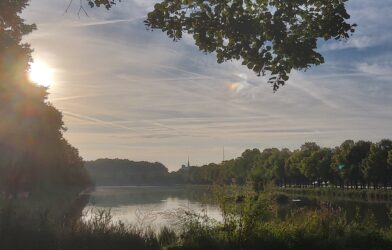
(306, 150)
(293, 168)
(317, 166)
(340, 161)
(390, 157)
(377, 170)
(359, 152)
(261, 171)
(276, 162)
(32, 148)
(243, 164)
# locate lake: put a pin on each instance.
(155, 206)
(151, 206)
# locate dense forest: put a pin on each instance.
(108, 172)
(357, 164)
(33, 152)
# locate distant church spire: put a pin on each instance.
(188, 161)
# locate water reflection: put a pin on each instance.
(151, 206)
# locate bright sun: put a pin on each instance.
(41, 74)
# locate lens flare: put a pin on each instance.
(235, 87)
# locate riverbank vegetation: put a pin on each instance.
(251, 222)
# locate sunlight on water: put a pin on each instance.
(149, 206)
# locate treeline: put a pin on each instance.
(121, 172)
(33, 151)
(358, 164)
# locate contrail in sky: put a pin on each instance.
(97, 121)
(108, 22)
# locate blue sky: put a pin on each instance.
(130, 93)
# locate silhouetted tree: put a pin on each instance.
(33, 151)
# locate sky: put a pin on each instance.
(126, 92)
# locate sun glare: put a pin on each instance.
(41, 74)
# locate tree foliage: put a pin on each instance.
(376, 166)
(355, 164)
(33, 151)
(107, 172)
(267, 36)
(270, 37)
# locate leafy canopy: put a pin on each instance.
(268, 36)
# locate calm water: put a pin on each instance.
(151, 206)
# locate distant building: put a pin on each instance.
(186, 167)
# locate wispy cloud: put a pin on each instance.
(129, 93)
(356, 42)
(376, 69)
